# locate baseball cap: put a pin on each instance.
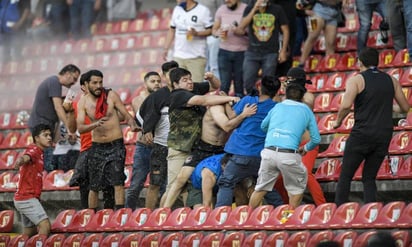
(299, 76)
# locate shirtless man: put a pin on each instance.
(141, 159)
(107, 154)
(216, 126)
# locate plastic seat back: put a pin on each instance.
(132, 240)
(389, 167)
(192, 239)
(335, 148)
(4, 240)
(344, 215)
(405, 170)
(405, 220)
(322, 102)
(321, 236)
(80, 220)
(6, 220)
(156, 219)
(152, 239)
(176, 219)
(212, 239)
(99, 219)
(278, 216)
(172, 239)
(18, 241)
(401, 143)
(298, 239)
(328, 170)
(92, 240)
(346, 238)
(321, 216)
(111, 240)
(233, 239)
(300, 216)
(255, 239)
(137, 219)
(36, 240)
(118, 220)
(55, 240)
(258, 217)
(215, 220)
(402, 237)
(276, 239)
(74, 240)
(63, 220)
(238, 217)
(367, 215)
(363, 238)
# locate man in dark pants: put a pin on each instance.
(372, 93)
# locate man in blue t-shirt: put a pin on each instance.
(246, 141)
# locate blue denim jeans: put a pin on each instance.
(255, 61)
(407, 12)
(141, 167)
(230, 68)
(81, 18)
(212, 51)
(238, 168)
(365, 12)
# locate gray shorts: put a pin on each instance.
(328, 14)
(289, 165)
(31, 211)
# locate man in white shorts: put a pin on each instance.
(285, 124)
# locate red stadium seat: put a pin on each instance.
(80, 220)
(25, 140)
(402, 58)
(5, 120)
(343, 42)
(6, 220)
(130, 149)
(321, 216)
(132, 239)
(55, 240)
(258, 217)
(144, 41)
(401, 143)
(205, 219)
(406, 78)
(348, 62)
(152, 239)
(172, 239)
(312, 63)
(111, 240)
(402, 237)
(347, 124)
(346, 238)
(389, 215)
(156, 219)
(325, 124)
(375, 41)
(10, 140)
(74, 240)
(367, 215)
(4, 240)
(352, 23)
(124, 94)
(336, 82)
(136, 26)
(322, 102)
(395, 72)
(322, 236)
(362, 239)
(238, 217)
(255, 239)
(233, 239)
(62, 220)
(137, 219)
(36, 240)
(128, 170)
(278, 238)
(129, 136)
(99, 219)
(9, 157)
(176, 219)
(329, 63)
(128, 43)
(405, 220)
(385, 58)
(278, 216)
(299, 217)
(344, 215)
(318, 83)
(56, 180)
(336, 102)
(18, 240)
(92, 240)
(212, 239)
(335, 148)
(8, 181)
(298, 239)
(405, 170)
(328, 170)
(192, 239)
(117, 220)
(389, 168)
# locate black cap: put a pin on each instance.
(299, 76)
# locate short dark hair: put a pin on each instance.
(93, 72)
(149, 74)
(369, 57)
(381, 239)
(69, 68)
(295, 91)
(36, 131)
(167, 66)
(270, 85)
(177, 74)
(328, 244)
(83, 78)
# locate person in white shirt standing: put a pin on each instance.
(191, 23)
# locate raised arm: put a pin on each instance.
(208, 100)
(227, 124)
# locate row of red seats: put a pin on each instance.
(401, 144)
(215, 239)
(393, 167)
(309, 217)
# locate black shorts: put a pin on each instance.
(158, 163)
(106, 164)
(81, 173)
(201, 151)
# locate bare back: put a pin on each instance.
(111, 129)
(211, 132)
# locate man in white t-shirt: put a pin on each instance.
(191, 23)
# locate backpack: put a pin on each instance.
(9, 15)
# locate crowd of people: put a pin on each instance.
(196, 141)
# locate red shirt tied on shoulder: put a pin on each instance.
(31, 175)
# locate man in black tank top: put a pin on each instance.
(372, 93)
